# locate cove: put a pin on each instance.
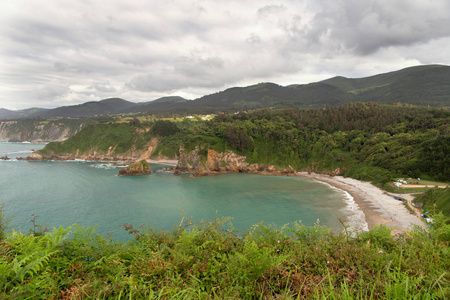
(91, 194)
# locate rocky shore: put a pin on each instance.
(36, 156)
(218, 163)
(378, 208)
(188, 162)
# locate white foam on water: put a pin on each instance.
(356, 219)
(18, 152)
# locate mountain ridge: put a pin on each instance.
(426, 85)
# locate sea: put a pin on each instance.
(62, 193)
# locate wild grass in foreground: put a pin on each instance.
(209, 260)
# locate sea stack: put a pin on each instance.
(137, 168)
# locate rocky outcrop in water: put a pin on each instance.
(226, 162)
(137, 168)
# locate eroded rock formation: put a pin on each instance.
(216, 162)
(137, 168)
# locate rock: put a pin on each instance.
(4, 157)
(137, 168)
(226, 162)
(35, 156)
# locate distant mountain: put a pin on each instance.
(169, 99)
(158, 105)
(117, 103)
(6, 113)
(425, 87)
(104, 107)
(272, 95)
(356, 85)
(24, 113)
(420, 85)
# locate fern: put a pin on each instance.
(31, 264)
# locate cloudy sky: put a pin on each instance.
(63, 52)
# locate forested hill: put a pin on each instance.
(422, 85)
(363, 140)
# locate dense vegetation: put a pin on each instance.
(210, 260)
(436, 200)
(364, 140)
(102, 136)
(367, 141)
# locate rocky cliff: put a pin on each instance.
(110, 155)
(227, 162)
(36, 131)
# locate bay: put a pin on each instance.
(92, 194)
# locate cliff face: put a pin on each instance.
(93, 155)
(20, 131)
(227, 162)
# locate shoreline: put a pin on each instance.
(378, 207)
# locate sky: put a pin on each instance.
(63, 52)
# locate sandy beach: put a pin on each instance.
(379, 207)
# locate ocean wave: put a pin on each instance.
(107, 166)
(12, 159)
(17, 152)
(355, 217)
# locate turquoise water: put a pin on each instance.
(91, 193)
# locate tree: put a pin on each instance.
(237, 138)
(165, 128)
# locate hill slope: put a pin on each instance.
(420, 85)
(88, 109)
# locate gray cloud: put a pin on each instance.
(364, 27)
(102, 87)
(185, 72)
(270, 9)
(53, 52)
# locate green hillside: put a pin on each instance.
(435, 200)
(366, 141)
(357, 85)
(421, 85)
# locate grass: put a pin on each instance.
(436, 200)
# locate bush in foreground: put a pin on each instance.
(209, 260)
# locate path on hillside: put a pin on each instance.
(421, 186)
